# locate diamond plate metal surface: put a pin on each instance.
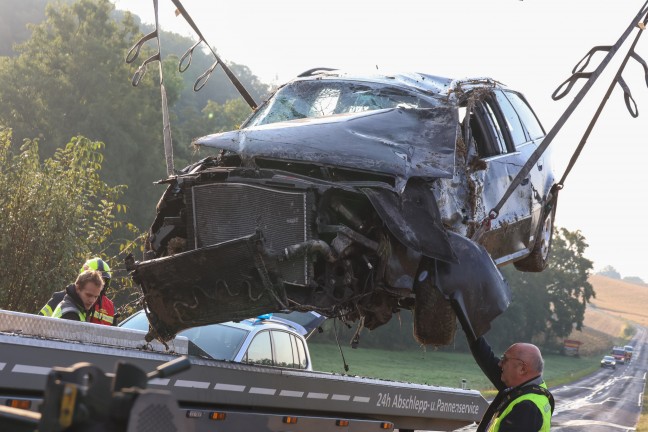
(39, 326)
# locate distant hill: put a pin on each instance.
(620, 298)
(617, 302)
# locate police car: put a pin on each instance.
(269, 340)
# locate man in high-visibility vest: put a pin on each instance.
(80, 297)
(104, 310)
(523, 402)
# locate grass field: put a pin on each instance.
(445, 369)
(608, 320)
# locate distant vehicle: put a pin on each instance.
(270, 341)
(628, 351)
(608, 362)
(619, 355)
(356, 196)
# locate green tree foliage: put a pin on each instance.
(55, 214)
(14, 15)
(70, 79)
(550, 304)
(227, 116)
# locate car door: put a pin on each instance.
(496, 130)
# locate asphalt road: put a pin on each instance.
(608, 400)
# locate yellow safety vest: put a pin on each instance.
(46, 311)
(540, 400)
(58, 312)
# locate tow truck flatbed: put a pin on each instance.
(31, 345)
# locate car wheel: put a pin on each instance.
(434, 319)
(537, 260)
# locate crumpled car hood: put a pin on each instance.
(403, 142)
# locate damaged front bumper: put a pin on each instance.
(278, 251)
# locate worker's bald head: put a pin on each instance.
(531, 355)
(521, 363)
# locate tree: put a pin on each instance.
(14, 17)
(548, 305)
(70, 79)
(56, 214)
(610, 272)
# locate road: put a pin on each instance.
(608, 400)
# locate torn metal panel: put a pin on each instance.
(228, 281)
(414, 220)
(474, 284)
(402, 142)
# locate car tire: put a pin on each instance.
(537, 260)
(435, 322)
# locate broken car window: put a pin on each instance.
(499, 136)
(512, 120)
(533, 126)
(309, 99)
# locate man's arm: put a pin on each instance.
(487, 361)
(524, 417)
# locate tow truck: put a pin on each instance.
(226, 395)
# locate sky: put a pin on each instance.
(529, 45)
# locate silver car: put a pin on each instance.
(267, 340)
(357, 197)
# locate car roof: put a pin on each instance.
(250, 324)
(427, 83)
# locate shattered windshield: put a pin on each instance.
(321, 98)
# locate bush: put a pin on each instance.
(55, 215)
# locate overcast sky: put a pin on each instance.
(529, 45)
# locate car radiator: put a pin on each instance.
(226, 211)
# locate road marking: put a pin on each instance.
(160, 381)
(262, 391)
(312, 395)
(36, 370)
(340, 397)
(192, 384)
(291, 393)
(2, 366)
(229, 387)
(363, 399)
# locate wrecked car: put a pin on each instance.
(355, 197)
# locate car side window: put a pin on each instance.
(260, 350)
(486, 130)
(497, 129)
(283, 349)
(512, 120)
(526, 114)
(303, 360)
